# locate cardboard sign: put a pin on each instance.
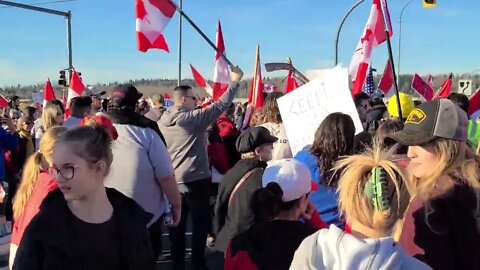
(304, 109)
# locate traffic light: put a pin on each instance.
(62, 80)
(429, 3)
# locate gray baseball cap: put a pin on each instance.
(439, 118)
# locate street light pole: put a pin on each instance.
(400, 36)
(340, 28)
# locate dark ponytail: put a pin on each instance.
(267, 203)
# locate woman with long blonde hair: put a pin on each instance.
(442, 226)
(52, 115)
(35, 185)
(372, 195)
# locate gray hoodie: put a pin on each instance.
(186, 137)
(332, 249)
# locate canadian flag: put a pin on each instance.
(446, 88)
(221, 73)
(256, 91)
(373, 35)
(292, 83)
(48, 93)
(386, 82)
(474, 102)
(267, 88)
(75, 89)
(152, 18)
(255, 98)
(4, 101)
(200, 81)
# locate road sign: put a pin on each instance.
(465, 87)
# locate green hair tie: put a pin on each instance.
(376, 189)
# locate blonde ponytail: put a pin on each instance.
(29, 177)
(32, 169)
(356, 204)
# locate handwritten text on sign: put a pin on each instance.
(305, 108)
(423, 88)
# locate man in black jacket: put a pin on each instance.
(232, 209)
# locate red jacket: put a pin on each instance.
(42, 187)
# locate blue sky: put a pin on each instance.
(33, 45)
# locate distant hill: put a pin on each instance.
(150, 86)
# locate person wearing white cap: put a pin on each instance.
(278, 206)
(372, 191)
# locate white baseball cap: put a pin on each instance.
(291, 175)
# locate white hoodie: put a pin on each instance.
(334, 250)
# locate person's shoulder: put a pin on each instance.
(127, 208)
(401, 257)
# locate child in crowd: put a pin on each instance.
(277, 207)
(372, 196)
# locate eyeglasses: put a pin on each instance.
(66, 171)
(192, 97)
(28, 123)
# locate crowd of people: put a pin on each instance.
(97, 189)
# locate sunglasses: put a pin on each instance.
(66, 171)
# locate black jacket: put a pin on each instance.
(49, 241)
(231, 220)
(374, 117)
(271, 245)
(449, 234)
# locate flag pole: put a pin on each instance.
(254, 81)
(390, 56)
(203, 34)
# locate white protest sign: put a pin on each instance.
(305, 108)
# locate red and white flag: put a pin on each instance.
(255, 98)
(152, 18)
(446, 88)
(373, 35)
(422, 87)
(64, 99)
(200, 81)
(4, 101)
(267, 88)
(292, 83)
(474, 102)
(221, 73)
(386, 81)
(48, 93)
(256, 91)
(75, 89)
